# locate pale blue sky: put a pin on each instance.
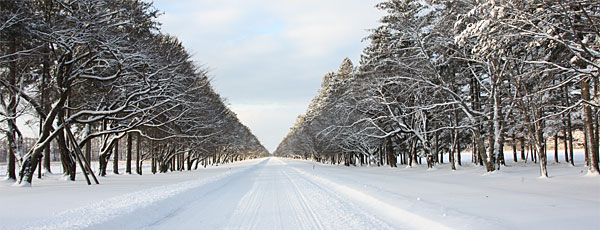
(267, 57)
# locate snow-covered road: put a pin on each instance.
(276, 193)
(268, 195)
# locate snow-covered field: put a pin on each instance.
(276, 193)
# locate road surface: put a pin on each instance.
(276, 193)
(269, 195)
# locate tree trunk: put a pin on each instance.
(596, 151)
(458, 151)
(66, 158)
(535, 127)
(189, 161)
(566, 144)
(514, 147)
(534, 154)
(412, 153)
(483, 158)
(592, 144)
(102, 164)
(523, 158)
(116, 157)
(453, 150)
(569, 127)
(138, 156)
(492, 142)
(362, 159)
(44, 102)
(595, 117)
(153, 165)
(391, 157)
(104, 154)
(501, 159)
(40, 166)
(14, 142)
(46, 163)
(556, 148)
(586, 149)
(11, 167)
(30, 159)
(88, 146)
(529, 152)
(440, 157)
(128, 153)
(474, 153)
(542, 152)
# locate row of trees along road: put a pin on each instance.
(443, 76)
(100, 70)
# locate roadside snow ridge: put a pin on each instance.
(107, 209)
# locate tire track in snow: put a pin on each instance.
(451, 216)
(398, 215)
(283, 199)
(332, 211)
(273, 202)
(105, 210)
(210, 206)
(239, 219)
(316, 223)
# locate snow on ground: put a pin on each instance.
(276, 193)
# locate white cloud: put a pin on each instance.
(270, 122)
(266, 55)
(260, 45)
(215, 20)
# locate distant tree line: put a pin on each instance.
(443, 76)
(101, 70)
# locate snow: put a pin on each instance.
(277, 193)
(428, 8)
